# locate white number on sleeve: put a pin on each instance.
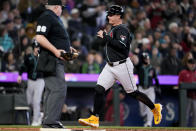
(41, 28)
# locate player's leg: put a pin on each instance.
(105, 81)
(143, 107)
(38, 89)
(124, 73)
(151, 94)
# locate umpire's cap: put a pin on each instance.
(55, 2)
(115, 10)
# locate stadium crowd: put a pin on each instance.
(163, 28)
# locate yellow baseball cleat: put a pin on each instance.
(157, 113)
(92, 121)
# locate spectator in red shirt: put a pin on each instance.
(188, 75)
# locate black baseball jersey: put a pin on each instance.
(146, 75)
(117, 42)
(51, 26)
(29, 66)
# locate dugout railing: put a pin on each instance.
(183, 87)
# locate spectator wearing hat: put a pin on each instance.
(75, 22)
(188, 75)
(30, 31)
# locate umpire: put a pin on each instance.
(54, 39)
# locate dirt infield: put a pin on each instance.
(100, 129)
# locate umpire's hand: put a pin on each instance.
(58, 54)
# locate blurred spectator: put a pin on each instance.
(30, 30)
(75, 22)
(147, 27)
(188, 75)
(186, 57)
(109, 107)
(17, 22)
(19, 49)
(6, 42)
(73, 66)
(164, 45)
(9, 64)
(171, 65)
(185, 7)
(137, 42)
(25, 7)
(174, 32)
(156, 59)
(89, 13)
(65, 17)
(9, 24)
(155, 13)
(5, 8)
(101, 19)
(187, 39)
(173, 13)
(90, 66)
(99, 60)
(21, 32)
(76, 43)
(193, 51)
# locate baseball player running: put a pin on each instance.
(146, 74)
(119, 67)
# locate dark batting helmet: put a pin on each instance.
(145, 56)
(116, 10)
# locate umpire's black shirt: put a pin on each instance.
(118, 42)
(50, 25)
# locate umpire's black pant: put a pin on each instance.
(54, 96)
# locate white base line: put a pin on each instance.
(94, 130)
(49, 129)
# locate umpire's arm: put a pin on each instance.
(46, 44)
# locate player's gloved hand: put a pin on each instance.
(69, 55)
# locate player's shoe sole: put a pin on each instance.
(84, 123)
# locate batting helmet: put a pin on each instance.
(116, 10)
(145, 56)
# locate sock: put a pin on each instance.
(143, 98)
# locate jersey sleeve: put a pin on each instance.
(43, 25)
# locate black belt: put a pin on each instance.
(117, 63)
